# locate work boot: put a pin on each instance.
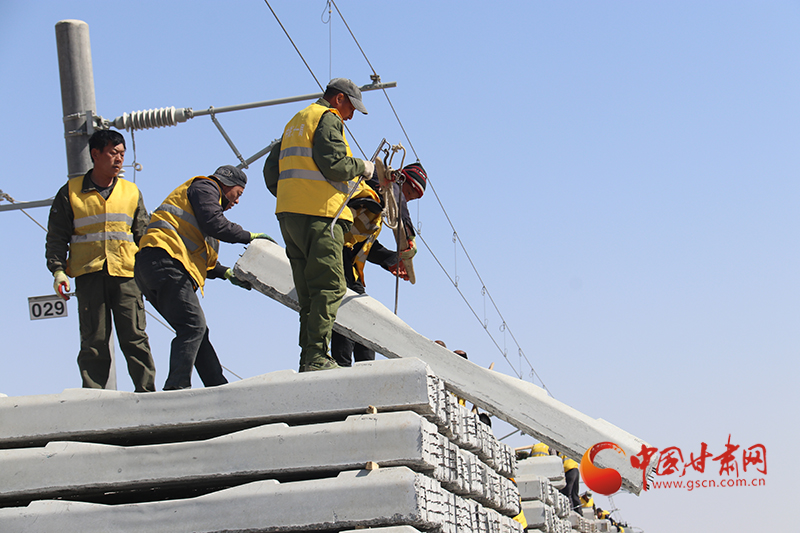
(323, 362)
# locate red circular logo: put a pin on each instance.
(605, 481)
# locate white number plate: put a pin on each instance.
(41, 307)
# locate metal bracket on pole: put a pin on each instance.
(89, 123)
(87, 127)
(225, 135)
(77, 131)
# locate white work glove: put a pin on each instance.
(60, 278)
(369, 168)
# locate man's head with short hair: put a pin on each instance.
(102, 138)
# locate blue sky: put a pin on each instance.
(622, 174)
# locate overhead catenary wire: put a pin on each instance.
(466, 301)
(376, 78)
(330, 36)
(353, 137)
(293, 44)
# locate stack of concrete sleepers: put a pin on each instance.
(546, 509)
(585, 523)
(381, 445)
(579, 523)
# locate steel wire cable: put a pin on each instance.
(376, 77)
(353, 137)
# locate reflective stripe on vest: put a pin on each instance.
(163, 224)
(313, 175)
(108, 217)
(302, 188)
(102, 236)
(174, 228)
(102, 229)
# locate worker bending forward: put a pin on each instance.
(310, 172)
(97, 219)
(178, 252)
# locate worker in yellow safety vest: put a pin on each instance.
(540, 449)
(311, 170)
(587, 500)
(573, 478)
(93, 231)
(178, 253)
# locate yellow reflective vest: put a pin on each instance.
(102, 229)
(302, 188)
(173, 227)
(540, 449)
(366, 228)
(569, 464)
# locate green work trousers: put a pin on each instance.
(100, 295)
(318, 274)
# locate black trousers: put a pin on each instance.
(168, 287)
(344, 351)
(573, 478)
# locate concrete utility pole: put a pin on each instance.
(77, 92)
(77, 102)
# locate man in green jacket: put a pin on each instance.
(310, 171)
(93, 233)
